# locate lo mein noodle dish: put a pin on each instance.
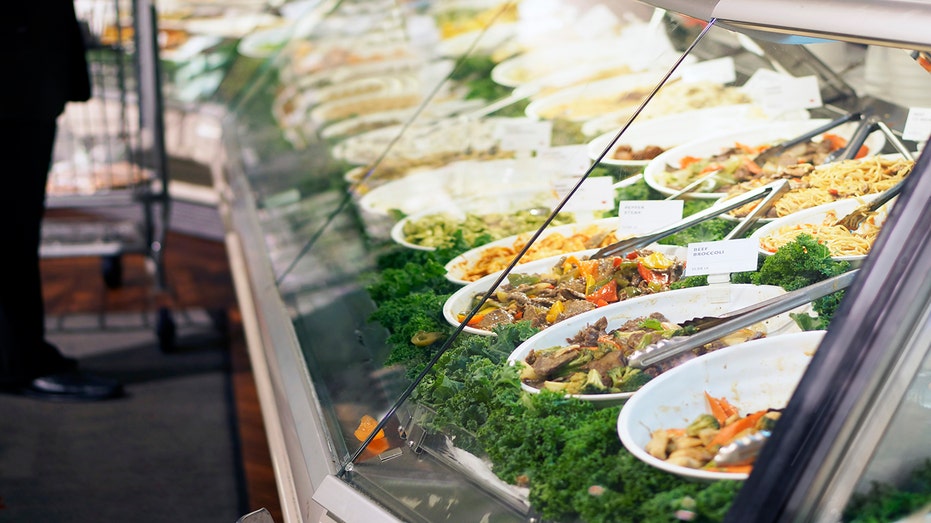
(811, 185)
(838, 239)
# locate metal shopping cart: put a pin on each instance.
(109, 164)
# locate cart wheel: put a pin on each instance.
(165, 330)
(111, 268)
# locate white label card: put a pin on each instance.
(595, 194)
(645, 216)
(779, 93)
(917, 124)
(721, 257)
(524, 134)
(719, 70)
(566, 159)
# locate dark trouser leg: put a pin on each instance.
(25, 149)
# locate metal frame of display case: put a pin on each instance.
(306, 460)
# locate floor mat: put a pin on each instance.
(166, 452)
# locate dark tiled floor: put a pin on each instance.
(171, 450)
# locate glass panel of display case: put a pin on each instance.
(388, 141)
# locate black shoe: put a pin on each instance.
(73, 386)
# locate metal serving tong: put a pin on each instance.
(802, 138)
(741, 451)
(769, 193)
(711, 328)
(856, 217)
(856, 141)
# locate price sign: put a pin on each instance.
(595, 194)
(917, 124)
(719, 70)
(641, 217)
(779, 93)
(721, 257)
(567, 159)
(524, 134)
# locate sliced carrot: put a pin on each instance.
(729, 432)
(714, 405)
(750, 149)
(864, 150)
(720, 408)
(729, 409)
(752, 166)
(736, 469)
(837, 142)
(685, 161)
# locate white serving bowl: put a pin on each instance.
(436, 188)
(618, 88)
(753, 135)
(676, 129)
(677, 306)
(460, 301)
(455, 268)
(816, 216)
(756, 375)
(502, 202)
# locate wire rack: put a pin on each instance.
(109, 161)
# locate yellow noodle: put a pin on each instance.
(494, 259)
(838, 239)
(831, 182)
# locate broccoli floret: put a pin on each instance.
(689, 281)
(627, 379)
(593, 383)
(702, 422)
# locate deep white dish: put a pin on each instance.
(678, 305)
(755, 375)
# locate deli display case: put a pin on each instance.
(475, 243)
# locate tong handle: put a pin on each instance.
(637, 242)
(741, 451)
(779, 149)
(738, 319)
(780, 187)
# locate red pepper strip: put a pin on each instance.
(605, 295)
(652, 276)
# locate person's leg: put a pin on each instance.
(26, 146)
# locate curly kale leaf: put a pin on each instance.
(799, 263)
(404, 317)
(411, 277)
(886, 502)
